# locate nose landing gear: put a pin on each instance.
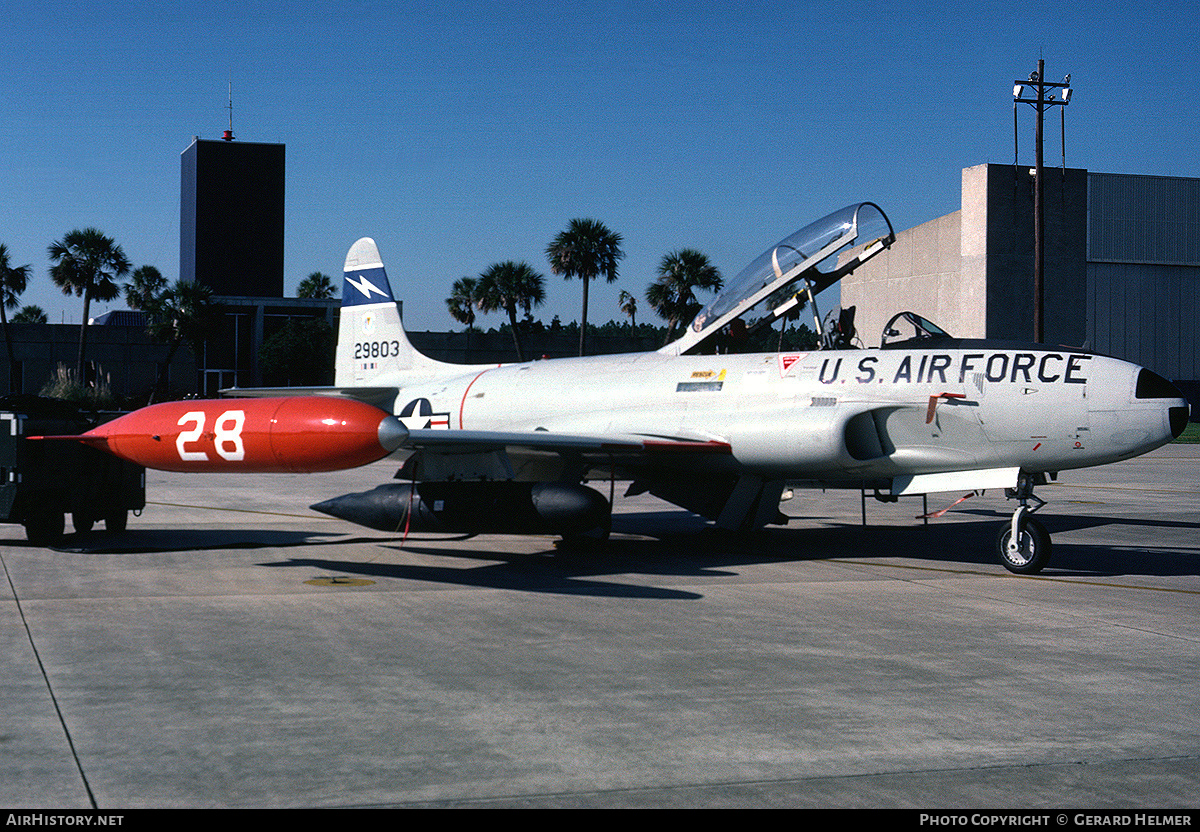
(1024, 543)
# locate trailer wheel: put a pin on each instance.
(82, 522)
(45, 525)
(116, 521)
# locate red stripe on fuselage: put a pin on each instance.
(462, 404)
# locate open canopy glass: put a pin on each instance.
(818, 255)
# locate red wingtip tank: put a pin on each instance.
(299, 434)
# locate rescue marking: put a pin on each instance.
(787, 361)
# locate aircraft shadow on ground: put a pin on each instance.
(975, 542)
(143, 541)
(675, 544)
(694, 550)
(529, 573)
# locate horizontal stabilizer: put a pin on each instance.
(381, 397)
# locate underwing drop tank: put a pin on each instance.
(474, 508)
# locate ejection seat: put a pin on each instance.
(838, 333)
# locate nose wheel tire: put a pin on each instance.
(1032, 552)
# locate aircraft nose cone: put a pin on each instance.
(383, 508)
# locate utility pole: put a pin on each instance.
(1039, 85)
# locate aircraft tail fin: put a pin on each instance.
(373, 349)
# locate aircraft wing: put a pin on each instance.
(458, 442)
(438, 454)
(477, 441)
(381, 397)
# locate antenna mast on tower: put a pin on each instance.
(229, 133)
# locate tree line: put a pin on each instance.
(92, 266)
(587, 249)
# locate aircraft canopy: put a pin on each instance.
(819, 254)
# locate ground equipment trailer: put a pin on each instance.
(43, 481)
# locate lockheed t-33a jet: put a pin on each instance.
(507, 448)
(495, 449)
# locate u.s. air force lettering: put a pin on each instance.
(951, 368)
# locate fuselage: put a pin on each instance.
(830, 415)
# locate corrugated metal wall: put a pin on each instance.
(1146, 314)
(1143, 219)
(1144, 271)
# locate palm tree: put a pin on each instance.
(31, 314)
(461, 304)
(587, 249)
(12, 283)
(510, 286)
(628, 304)
(673, 294)
(316, 285)
(174, 314)
(88, 265)
(145, 286)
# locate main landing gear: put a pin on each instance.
(1024, 543)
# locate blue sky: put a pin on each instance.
(460, 134)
